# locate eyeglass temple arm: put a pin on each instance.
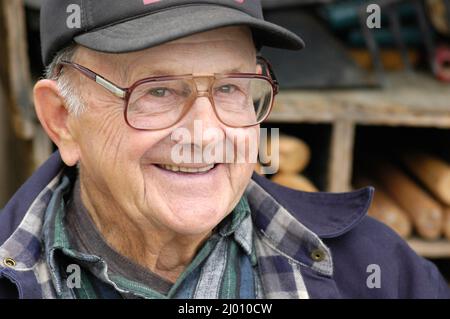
(121, 93)
(270, 72)
(111, 87)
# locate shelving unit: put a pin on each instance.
(413, 100)
(409, 100)
(431, 249)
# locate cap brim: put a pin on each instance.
(161, 27)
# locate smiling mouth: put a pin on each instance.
(182, 169)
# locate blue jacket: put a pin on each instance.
(369, 259)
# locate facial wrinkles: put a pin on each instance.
(108, 129)
(188, 50)
(141, 202)
(111, 136)
(232, 172)
(111, 226)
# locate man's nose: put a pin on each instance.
(202, 119)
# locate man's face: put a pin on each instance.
(122, 166)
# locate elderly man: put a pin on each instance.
(113, 215)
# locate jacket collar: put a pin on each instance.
(15, 210)
(328, 215)
(278, 229)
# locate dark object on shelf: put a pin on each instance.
(32, 9)
(341, 15)
(391, 9)
(391, 58)
(385, 38)
(324, 63)
(33, 4)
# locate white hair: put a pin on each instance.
(68, 90)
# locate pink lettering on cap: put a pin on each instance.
(150, 1)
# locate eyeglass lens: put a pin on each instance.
(238, 102)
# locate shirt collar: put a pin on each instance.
(24, 244)
(240, 225)
(329, 215)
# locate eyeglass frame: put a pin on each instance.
(125, 93)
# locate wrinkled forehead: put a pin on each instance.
(215, 51)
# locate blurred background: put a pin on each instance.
(367, 102)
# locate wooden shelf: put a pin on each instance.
(411, 99)
(430, 249)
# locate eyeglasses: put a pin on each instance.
(239, 100)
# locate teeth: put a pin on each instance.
(187, 169)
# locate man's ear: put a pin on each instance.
(54, 117)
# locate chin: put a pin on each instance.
(197, 221)
(194, 203)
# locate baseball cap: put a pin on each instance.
(119, 26)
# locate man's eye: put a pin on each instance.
(159, 92)
(227, 89)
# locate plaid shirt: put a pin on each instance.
(224, 267)
(282, 248)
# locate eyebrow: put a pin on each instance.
(162, 72)
(149, 72)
